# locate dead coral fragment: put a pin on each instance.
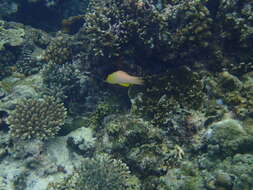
(39, 119)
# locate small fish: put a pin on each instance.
(123, 79)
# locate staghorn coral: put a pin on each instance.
(117, 28)
(39, 119)
(146, 32)
(99, 173)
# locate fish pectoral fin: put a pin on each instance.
(124, 84)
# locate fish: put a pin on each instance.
(123, 79)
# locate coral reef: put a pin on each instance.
(39, 119)
(168, 101)
(63, 80)
(82, 141)
(59, 50)
(21, 48)
(144, 147)
(189, 126)
(235, 92)
(101, 173)
(12, 36)
(29, 61)
(228, 137)
(6, 61)
(146, 32)
(239, 164)
(66, 82)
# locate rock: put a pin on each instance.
(11, 36)
(38, 165)
(19, 88)
(82, 141)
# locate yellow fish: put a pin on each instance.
(123, 79)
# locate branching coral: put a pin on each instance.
(40, 119)
(100, 173)
(145, 30)
(169, 100)
(59, 50)
(62, 80)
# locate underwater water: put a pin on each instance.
(126, 95)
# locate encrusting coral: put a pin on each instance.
(39, 119)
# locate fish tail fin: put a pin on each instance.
(138, 81)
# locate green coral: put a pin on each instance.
(227, 138)
(235, 92)
(99, 173)
(40, 119)
(241, 166)
(187, 177)
(231, 173)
